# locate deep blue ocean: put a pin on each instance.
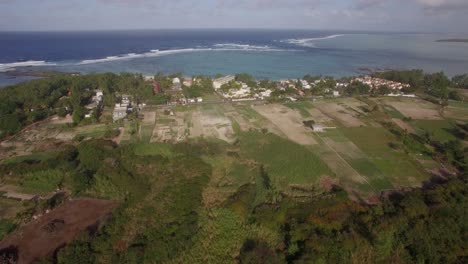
(273, 54)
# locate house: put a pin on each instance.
(176, 85)
(96, 100)
(336, 93)
(199, 100)
(156, 87)
(121, 109)
(188, 82)
(317, 128)
(217, 83)
(119, 113)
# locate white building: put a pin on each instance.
(217, 83)
(188, 82)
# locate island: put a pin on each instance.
(127, 168)
(463, 40)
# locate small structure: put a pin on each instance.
(156, 87)
(188, 82)
(121, 109)
(217, 83)
(176, 84)
(318, 128)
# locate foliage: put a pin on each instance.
(247, 79)
(415, 78)
(460, 81)
(6, 226)
(42, 181)
(285, 162)
(357, 88)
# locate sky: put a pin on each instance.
(391, 15)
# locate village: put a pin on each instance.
(230, 88)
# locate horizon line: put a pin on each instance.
(228, 28)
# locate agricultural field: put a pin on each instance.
(204, 172)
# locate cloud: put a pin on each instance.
(268, 4)
(364, 4)
(443, 4)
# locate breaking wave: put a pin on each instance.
(157, 53)
(8, 66)
(151, 53)
(309, 42)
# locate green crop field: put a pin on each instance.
(438, 128)
(154, 149)
(286, 162)
(42, 182)
(393, 112)
(396, 166)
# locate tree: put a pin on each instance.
(437, 85)
(9, 124)
(460, 81)
(78, 114)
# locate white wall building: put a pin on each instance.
(217, 83)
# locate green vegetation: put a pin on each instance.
(261, 198)
(439, 130)
(33, 101)
(45, 181)
(394, 165)
(200, 87)
(302, 106)
(393, 112)
(161, 149)
(6, 226)
(286, 162)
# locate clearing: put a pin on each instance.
(56, 228)
(288, 121)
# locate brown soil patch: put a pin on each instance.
(320, 118)
(456, 113)
(13, 193)
(403, 125)
(341, 114)
(288, 121)
(211, 125)
(149, 117)
(40, 238)
(347, 148)
(416, 110)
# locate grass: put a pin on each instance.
(221, 236)
(6, 226)
(458, 104)
(146, 132)
(285, 161)
(301, 106)
(93, 132)
(438, 128)
(396, 166)
(9, 208)
(42, 182)
(165, 121)
(39, 156)
(393, 112)
(154, 149)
